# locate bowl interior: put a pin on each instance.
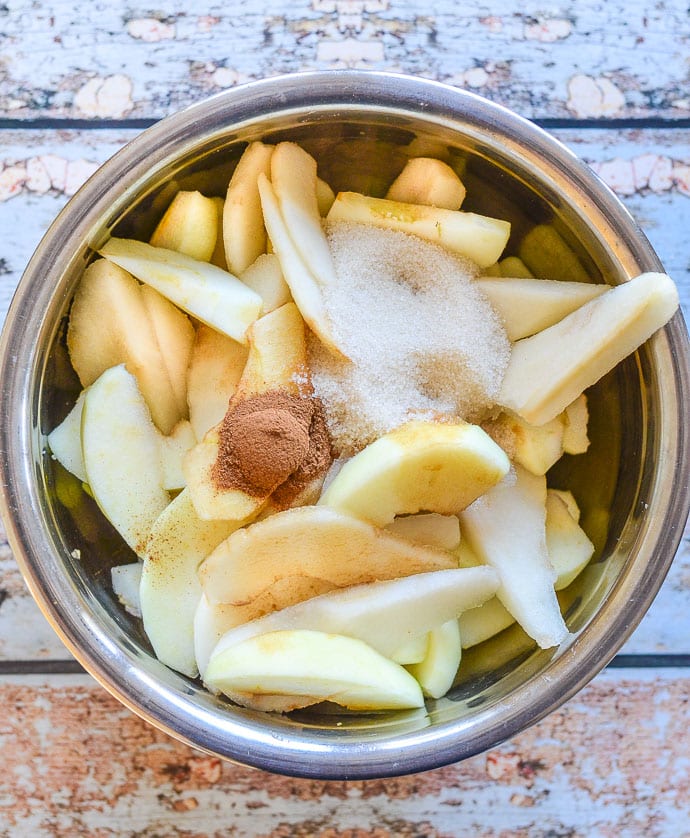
(363, 146)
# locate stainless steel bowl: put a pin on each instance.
(632, 484)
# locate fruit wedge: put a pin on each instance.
(121, 450)
(527, 306)
(65, 441)
(318, 666)
(313, 542)
(189, 225)
(218, 255)
(420, 466)
(436, 673)
(174, 448)
(426, 180)
(535, 447)
(566, 542)
(575, 420)
(266, 278)
(170, 589)
(126, 579)
(545, 253)
(208, 293)
(430, 528)
(551, 369)
(513, 266)
(385, 615)
(477, 237)
(484, 622)
(506, 528)
(244, 234)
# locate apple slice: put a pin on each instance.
(304, 287)
(513, 266)
(575, 421)
(65, 441)
(569, 500)
(535, 447)
(244, 233)
(479, 624)
(173, 448)
(170, 589)
(477, 237)
(436, 673)
(266, 278)
(426, 180)
(527, 306)
(109, 324)
(420, 466)
(568, 546)
(215, 368)
(507, 530)
(432, 529)
(126, 579)
(551, 369)
(322, 544)
(324, 196)
(189, 225)
(315, 665)
(121, 451)
(208, 293)
(546, 254)
(218, 255)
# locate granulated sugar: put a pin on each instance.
(422, 340)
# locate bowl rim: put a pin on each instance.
(264, 744)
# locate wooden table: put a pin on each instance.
(609, 79)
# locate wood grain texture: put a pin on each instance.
(611, 762)
(115, 60)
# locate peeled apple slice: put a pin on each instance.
(121, 450)
(420, 466)
(506, 528)
(189, 225)
(426, 180)
(208, 293)
(65, 441)
(437, 671)
(477, 237)
(322, 667)
(313, 542)
(548, 371)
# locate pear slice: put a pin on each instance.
(266, 278)
(437, 671)
(568, 546)
(109, 324)
(244, 233)
(548, 371)
(121, 451)
(477, 237)
(174, 448)
(430, 528)
(535, 447)
(507, 530)
(527, 306)
(426, 180)
(385, 615)
(304, 287)
(575, 421)
(170, 589)
(215, 368)
(208, 293)
(189, 225)
(314, 542)
(420, 466)
(65, 441)
(315, 665)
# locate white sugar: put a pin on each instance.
(422, 340)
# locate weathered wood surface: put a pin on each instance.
(592, 59)
(609, 764)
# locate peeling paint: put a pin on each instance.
(109, 97)
(150, 29)
(588, 97)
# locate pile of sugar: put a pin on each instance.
(422, 340)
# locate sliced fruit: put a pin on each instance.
(412, 651)
(175, 336)
(215, 368)
(430, 528)
(548, 371)
(322, 667)
(109, 325)
(546, 254)
(324, 196)
(575, 421)
(420, 466)
(569, 500)
(477, 237)
(170, 589)
(125, 580)
(569, 548)
(479, 624)
(527, 306)
(65, 441)
(514, 266)
(304, 286)
(266, 278)
(388, 616)
(436, 673)
(506, 528)
(208, 293)
(313, 542)
(426, 180)
(535, 447)
(218, 255)
(189, 225)
(173, 449)
(244, 234)
(121, 451)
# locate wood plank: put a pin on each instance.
(45, 168)
(590, 60)
(612, 761)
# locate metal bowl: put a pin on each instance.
(631, 484)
